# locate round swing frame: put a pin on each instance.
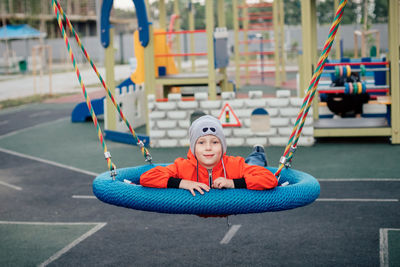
(302, 190)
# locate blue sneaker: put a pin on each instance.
(257, 156)
(258, 148)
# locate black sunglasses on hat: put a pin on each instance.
(206, 129)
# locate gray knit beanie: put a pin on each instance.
(206, 125)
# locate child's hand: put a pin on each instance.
(222, 182)
(191, 186)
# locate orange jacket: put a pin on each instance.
(246, 176)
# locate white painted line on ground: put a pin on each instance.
(3, 122)
(83, 197)
(359, 179)
(229, 235)
(73, 244)
(11, 186)
(48, 162)
(58, 254)
(38, 114)
(384, 246)
(32, 127)
(358, 199)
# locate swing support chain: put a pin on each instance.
(287, 161)
(292, 149)
(62, 16)
(113, 171)
(307, 101)
(148, 157)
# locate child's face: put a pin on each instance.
(208, 151)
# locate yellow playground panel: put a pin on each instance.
(166, 65)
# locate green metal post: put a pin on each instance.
(212, 92)
(282, 40)
(162, 20)
(309, 29)
(177, 27)
(236, 41)
(394, 68)
(246, 38)
(109, 62)
(191, 37)
(337, 39)
(149, 73)
(275, 14)
(221, 24)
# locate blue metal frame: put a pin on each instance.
(141, 14)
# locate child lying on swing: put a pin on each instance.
(207, 166)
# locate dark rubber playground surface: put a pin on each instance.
(47, 216)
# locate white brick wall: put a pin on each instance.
(278, 102)
(154, 115)
(176, 133)
(289, 112)
(210, 105)
(157, 134)
(174, 97)
(170, 121)
(283, 94)
(177, 115)
(255, 94)
(192, 105)
(235, 103)
(168, 106)
(227, 95)
(296, 102)
(256, 103)
(166, 124)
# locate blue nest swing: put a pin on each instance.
(302, 190)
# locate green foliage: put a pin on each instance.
(349, 14)
(199, 13)
(326, 12)
(123, 14)
(381, 11)
(292, 12)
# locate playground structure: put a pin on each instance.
(163, 63)
(156, 67)
(262, 31)
(152, 78)
(389, 125)
(373, 73)
(216, 54)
